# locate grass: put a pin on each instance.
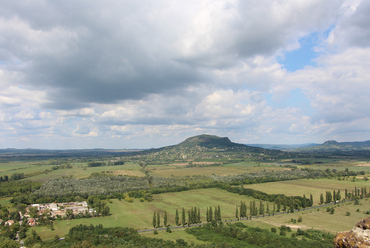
(79, 170)
(217, 170)
(139, 214)
(308, 186)
(176, 234)
(322, 220)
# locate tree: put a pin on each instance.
(158, 220)
(189, 218)
(165, 218)
(183, 217)
(339, 197)
(154, 219)
(236, 213)
(311, 200)
(321, 199)
(304, 203)
(207, 215)
(262, 208)
(105, 211)
(177, 218)
(210, 214)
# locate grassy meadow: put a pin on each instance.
(309, 186)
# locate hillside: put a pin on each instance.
(208, 141)
(333, 146)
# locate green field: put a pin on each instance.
(78, 170)
(139, 214)
(229, 169)
(323, 220)
(308, 186)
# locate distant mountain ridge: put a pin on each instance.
(332, 145)
(212, 142)
(208, 141)
(283, 146)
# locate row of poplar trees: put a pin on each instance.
(193, 215)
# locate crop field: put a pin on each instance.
(323, 220)
(232, 169)
(308, 186)
(140, 214)
(44, 171)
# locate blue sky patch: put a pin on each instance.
(296, 99)
(303, 56)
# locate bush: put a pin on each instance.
(289, 229)
(273, 229)
(283, 227)
(332, 211)
(348, 213)
(155, 232)
(282, 233)
(358, 210)
(300, 219)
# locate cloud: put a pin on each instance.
(145, 74)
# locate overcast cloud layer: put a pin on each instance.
(141, 74)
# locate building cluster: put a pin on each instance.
(53, 210)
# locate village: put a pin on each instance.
(36, 212)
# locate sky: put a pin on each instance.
(140, 74)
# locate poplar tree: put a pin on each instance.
(189, 218)
(177, 217)
(158, 220)
(262, 210)
(311, 200)
(210, 214)
(154, 220)
(165, 218)
(183, 217)
(236, 213)
(207, 215)
(198, 219)
(339, 197)
(321, 199)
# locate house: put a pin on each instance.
(9, 223)
(31, 222)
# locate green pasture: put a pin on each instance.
(322, 220)
(140, 214)
(217, 170)
(308, 186)
(78, 170)
(176, 234)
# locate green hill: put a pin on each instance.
(208, 141)
(333, 146)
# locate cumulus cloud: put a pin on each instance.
(143, 74)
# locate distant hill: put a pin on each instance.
(332, 145)
(212, 142)
(283, 146)
(208, 141)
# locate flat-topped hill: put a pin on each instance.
(208, 141)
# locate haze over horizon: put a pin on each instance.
(141, 74)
